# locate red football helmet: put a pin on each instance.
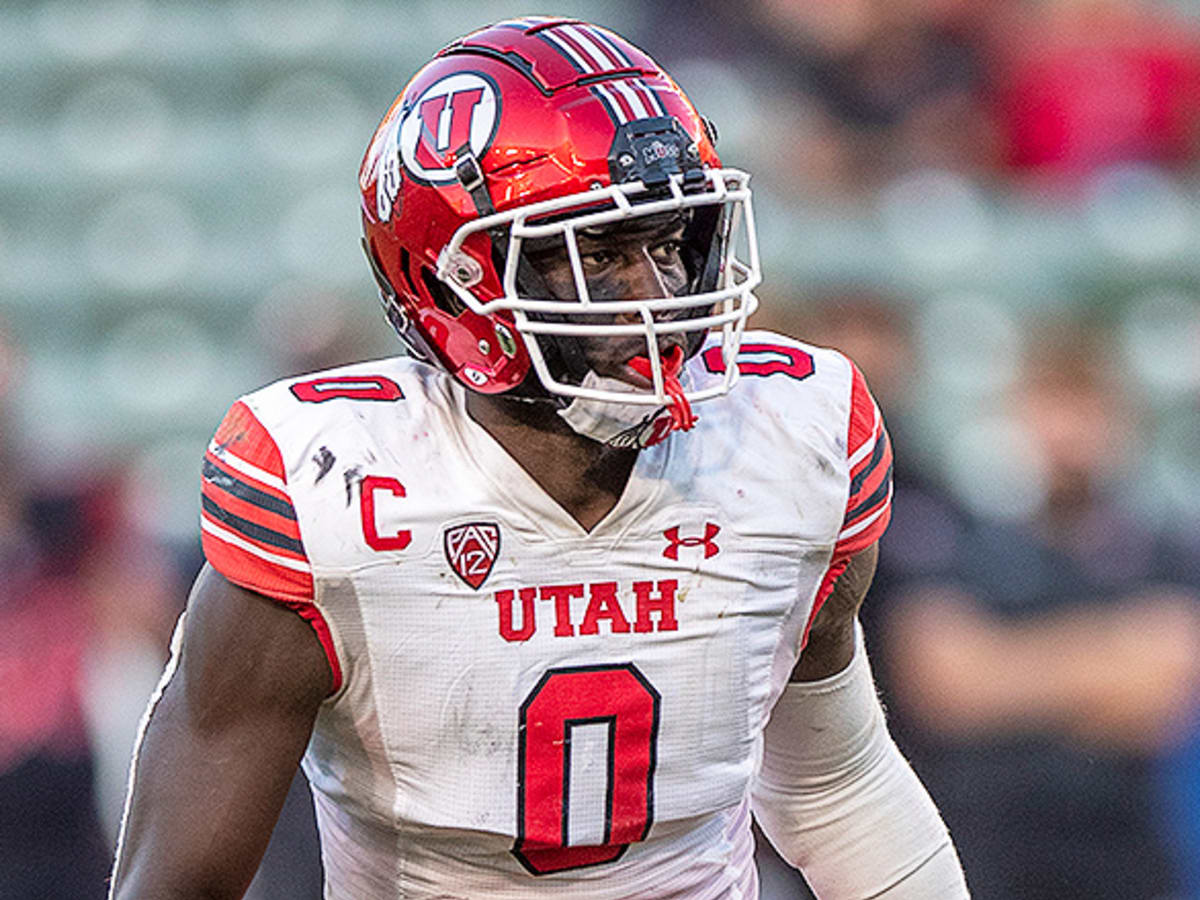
(536, 130)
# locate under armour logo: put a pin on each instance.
(710, 549)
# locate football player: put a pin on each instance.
(553, 604)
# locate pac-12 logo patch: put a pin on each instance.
(471, 550)
(463, 108)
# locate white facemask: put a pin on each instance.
(626, 425)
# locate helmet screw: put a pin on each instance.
(484, 347)
(462, 267)
(693, 151)
(508, 344)
(625, 160)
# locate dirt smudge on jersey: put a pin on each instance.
(351, 477)
(824, 464)
(324, 459)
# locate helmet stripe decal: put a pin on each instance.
(593, 49)
(632, 97)
(564, 47)
(650, 97)
(600, 37)
(609, 104)
(619, 101)
(591, 52)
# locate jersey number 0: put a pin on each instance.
(618, 697)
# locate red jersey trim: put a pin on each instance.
(869, 454)
(224, 474)
(831, 576)
(241, 434)
(864, 416)
(312, 615)
(251, 567)
(871, 486)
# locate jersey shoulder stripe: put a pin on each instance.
(249, 530)
(876, 479)
(261, 534)
(869, 458)
(225, 478)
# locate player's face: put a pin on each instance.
(639, 260)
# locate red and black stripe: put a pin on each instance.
(875, 476)
(252, 511)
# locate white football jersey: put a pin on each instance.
(524, 708)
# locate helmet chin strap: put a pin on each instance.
(630, 425)
(682, 417)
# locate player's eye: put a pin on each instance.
(667, 253)
(596, 260)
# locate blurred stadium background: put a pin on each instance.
(994, 207)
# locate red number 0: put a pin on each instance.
(347, 387)
(616, 695)
(764, 359)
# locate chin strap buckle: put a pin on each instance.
(470, 175)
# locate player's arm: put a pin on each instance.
(830, 644)
(221, 746)
(835, 796)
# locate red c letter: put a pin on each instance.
(375, 541)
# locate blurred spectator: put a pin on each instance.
(85, 609)
(51, 844)
(1078, 84)
(87, 602)
(899, 80)
(1038, 669)
(860, 90)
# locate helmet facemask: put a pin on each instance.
(566, 319)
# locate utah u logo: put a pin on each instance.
(463, 108)
(472, 549)
(711, 530)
